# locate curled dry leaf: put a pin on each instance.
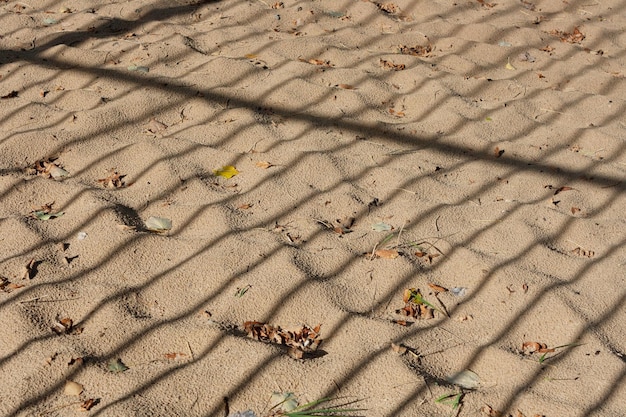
(529, 348)
(387, 253)
(318, 62)
(583, 252)
(48, 168)
(30, 269)
(489, 411)
(8, 286)
(391, 66)
(114, 180)
(89, 404)
(437, 288)
(264, 164)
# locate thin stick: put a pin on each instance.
(400, 234)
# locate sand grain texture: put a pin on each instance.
(492, 148)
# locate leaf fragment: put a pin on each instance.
(264, 164)
(437, 288)
(227, 171)
(489, 411)
(346, 86)
(116, 366)
(419, 50)
(158, 224)
(399, 349)
(465, 379)
(72, 388)
(387, 253)
(89, 404)
(389, 65)
(114, 180)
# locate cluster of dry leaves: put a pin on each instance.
(418, 50)
(576, 36)
(301, 341)
(47, 168)
(415, 306)
(114, 180)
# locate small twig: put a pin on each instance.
(190, 351)
(400, 234)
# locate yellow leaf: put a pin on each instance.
(227, 171)
(509, 66)
(251, 56)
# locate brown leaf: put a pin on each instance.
(30, 269)
(278, 5)
(497, 152)
(437, 288)
(346, 86)
(264, 164)
(7, 286)
(402, 322)
(114, 180)
(485, 4)
(245, 206)
(532, 347)
(583, 252)
(391, 66)
(63, 326)
(558, 190)
(174, 355)
(89, 404)
(389, 8)
(490, 411)
(407, 295)
(420, 254)
(574, 210)
(387, 253)
(575, 37)
(419, 50)
(525, 288)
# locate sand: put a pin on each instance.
(471, 150)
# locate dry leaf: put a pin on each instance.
(583, 252)
(114, 180)
(532, 347)
(30, 269)
(63, 326)
(490, 411)
(437, 288)
(72, 388)
(318, 62)
(391, 66)
(574, 210)
(575, 37)
(399, 349)
(422, 51)
(562, 189)
(485, 4)
(402, 322)
(305, 339)
(174, 355)
(278, 5)
(387, 253)
(264, 164)
(89, 404)
(245, 206)
(388, 8)
(497, 152)
(227, 171)
(346, 86)
(7, 286)
(525, 288)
